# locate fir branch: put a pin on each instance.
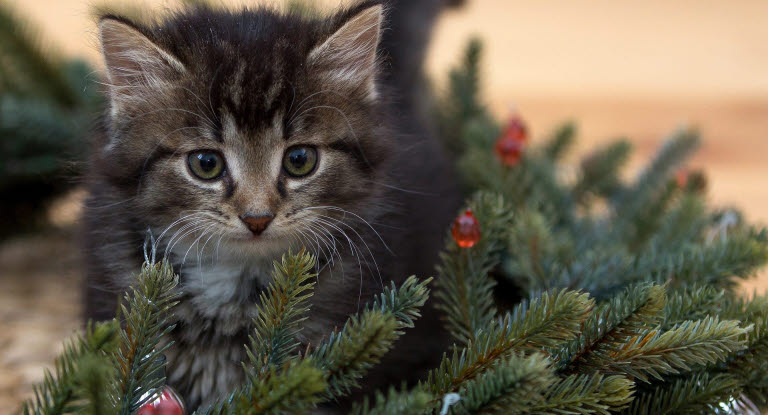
(702, 393)
(693, 303)
(545, 323)
(294, 389)
(282, 307)
(59, 391)
(347, 355)
(654, 178)
(461, 106)
(600, 171)
(684, 223)
(146, 320)
(561, 141)
(413, 402)
(536, 251)
(630, 314)
(464, 289)
(350, 353)
(403, 303)
(94, 373)
(637, 230)
(739, 255)
(585, 394)
(511, 387)
(692, 343)
(751, 365)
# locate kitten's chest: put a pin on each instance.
(225, 291)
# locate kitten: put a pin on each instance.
(233, 136)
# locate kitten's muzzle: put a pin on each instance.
(257, 223)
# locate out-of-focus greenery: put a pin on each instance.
(47, 106)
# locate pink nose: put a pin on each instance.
(257, 223)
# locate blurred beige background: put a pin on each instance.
(635, 68)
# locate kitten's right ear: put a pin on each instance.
(135, 65)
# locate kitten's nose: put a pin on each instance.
(257, 223)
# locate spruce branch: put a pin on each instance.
(282, 308)
(145, 313)
(536, 251)
(348, 354)
(403, 303)
(585, 394)
(692, 303)
(547, 321)
(511, 387)
(93, 374)
(60, 391)
(295, 388)
(351, 352)
(464, 289)
(600, 171)
(750, 366)
(684, 223)
(653, 179)
(461, 107)
(702, 393)
(739, 255)
(544, 323)
(412, 402)
(627, 315)
(561, 141)
(689, 344)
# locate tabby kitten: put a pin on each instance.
(232, 137)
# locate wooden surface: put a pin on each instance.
(638, 69)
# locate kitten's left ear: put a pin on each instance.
(348, 56)
(135, 65)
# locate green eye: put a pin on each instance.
(300, 160)
(206, 165)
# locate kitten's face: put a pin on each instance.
(257, 141)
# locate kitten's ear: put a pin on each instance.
(135, 64)
(348, 56)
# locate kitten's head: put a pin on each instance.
(255, 126)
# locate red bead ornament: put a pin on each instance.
(167, 402)
(509, 150)
(466, 229)
(515, 129)
(509, 146)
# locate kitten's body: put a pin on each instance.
(246, 85)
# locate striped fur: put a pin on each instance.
(249, 84)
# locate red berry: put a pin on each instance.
(466, 230)
(681, 178)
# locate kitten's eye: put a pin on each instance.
(300, 160)
(206, 165)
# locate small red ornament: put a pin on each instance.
(509, 150)
(167, 402)
(466, 229)
(509, 146)
(515, 129)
